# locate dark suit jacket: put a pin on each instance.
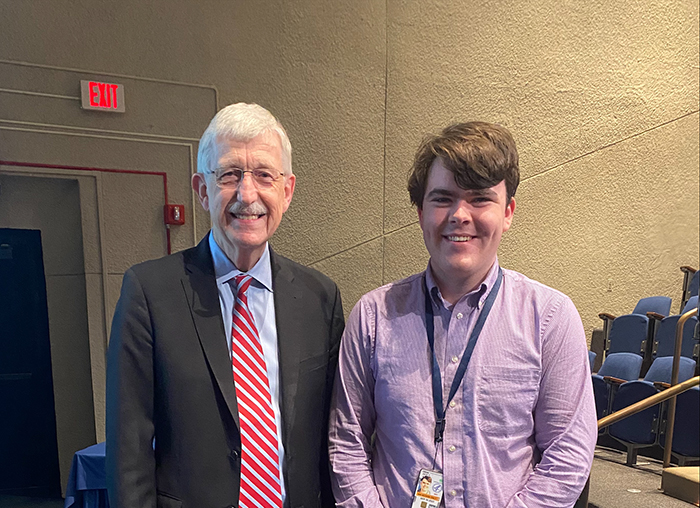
(169, 376)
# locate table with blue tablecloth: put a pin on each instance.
(87, 483)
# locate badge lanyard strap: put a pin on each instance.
(466, 356)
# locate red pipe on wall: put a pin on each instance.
(103, 170)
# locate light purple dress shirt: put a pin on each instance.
(521, 428)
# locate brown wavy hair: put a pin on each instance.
(479, 154)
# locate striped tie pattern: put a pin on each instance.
(260, 473)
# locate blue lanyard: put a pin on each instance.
(466, 356)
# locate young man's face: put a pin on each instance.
(425, 486)
(462, 229)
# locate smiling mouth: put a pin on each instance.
(456, 238)
(240, 216)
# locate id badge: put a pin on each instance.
(428, 493)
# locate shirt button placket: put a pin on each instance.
(453, 468)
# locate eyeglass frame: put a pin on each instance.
(243, 172)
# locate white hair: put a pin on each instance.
(241, 122)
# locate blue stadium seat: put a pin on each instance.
(643, 429)
(665, 338)
(686, 438)
(691, 304)
(591, 359)
(658, 304)
(693, 288)
(628, 334)
(616, 369)
(691, 281)
(631, 332)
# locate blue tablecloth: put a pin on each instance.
(87, 483)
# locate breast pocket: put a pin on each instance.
(505, 401)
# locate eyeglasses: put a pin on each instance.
(229, 178)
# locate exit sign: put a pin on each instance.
(100, 96)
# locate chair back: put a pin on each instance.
(661, 370)
(622, 365)
(628, 333)
(665, 342)
(659, 304)
(685, 431)
(591, 359)
(692, 303)
(694, 283)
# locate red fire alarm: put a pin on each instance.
(175, 214)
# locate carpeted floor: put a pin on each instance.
(616, 485)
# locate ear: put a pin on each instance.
(199, 184)
(289, 184)
(420, 216)
(508, 219)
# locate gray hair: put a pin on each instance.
(241, 122)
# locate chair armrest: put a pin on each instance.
(688, 269)
(655, 315)
(613, 380)
(660, 385)
(605, 315)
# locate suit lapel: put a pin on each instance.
(290, 329)
(202, 294)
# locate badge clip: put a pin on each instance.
(439, 429)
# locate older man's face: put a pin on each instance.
(244, 217)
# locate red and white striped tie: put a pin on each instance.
(260, 473)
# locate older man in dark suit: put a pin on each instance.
(221, 357)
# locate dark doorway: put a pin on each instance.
(28, 447)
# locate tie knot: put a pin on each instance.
(242, 283)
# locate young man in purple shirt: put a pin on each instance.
(467, 372)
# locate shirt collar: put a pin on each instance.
(225, 270)
(474, 298)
